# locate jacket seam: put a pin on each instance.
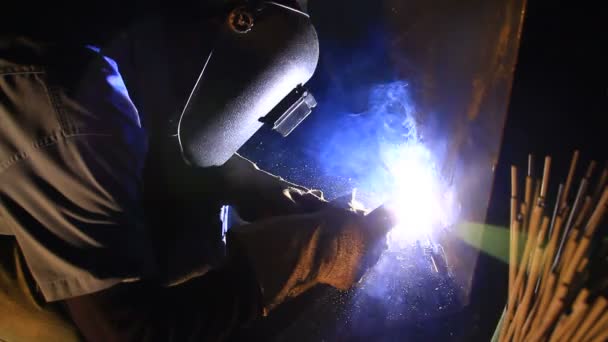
(20, 73)
(21, 70)
(52, 93)
(49, 140)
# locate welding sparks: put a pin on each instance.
(420, 200)
(381, 153)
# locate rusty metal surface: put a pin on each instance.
(460, 58)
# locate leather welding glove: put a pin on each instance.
(291, 254)
(258, 194)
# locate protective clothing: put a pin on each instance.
(263, 55)
(291, 254)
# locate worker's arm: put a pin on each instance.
(257, 194)
(270, 261)
(239, 182)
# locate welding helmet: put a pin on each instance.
(265, 52)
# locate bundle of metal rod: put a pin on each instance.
(558, 265)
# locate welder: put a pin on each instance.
(78, 256)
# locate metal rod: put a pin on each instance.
(590, 169)
(600, 184)
(598, 212)
(558, 200)
(514, 230)
(569, 178)
(583, 213)
(550, 233)
(581, 190)
(545, 182)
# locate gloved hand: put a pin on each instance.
(257, 194)
(291, 254)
